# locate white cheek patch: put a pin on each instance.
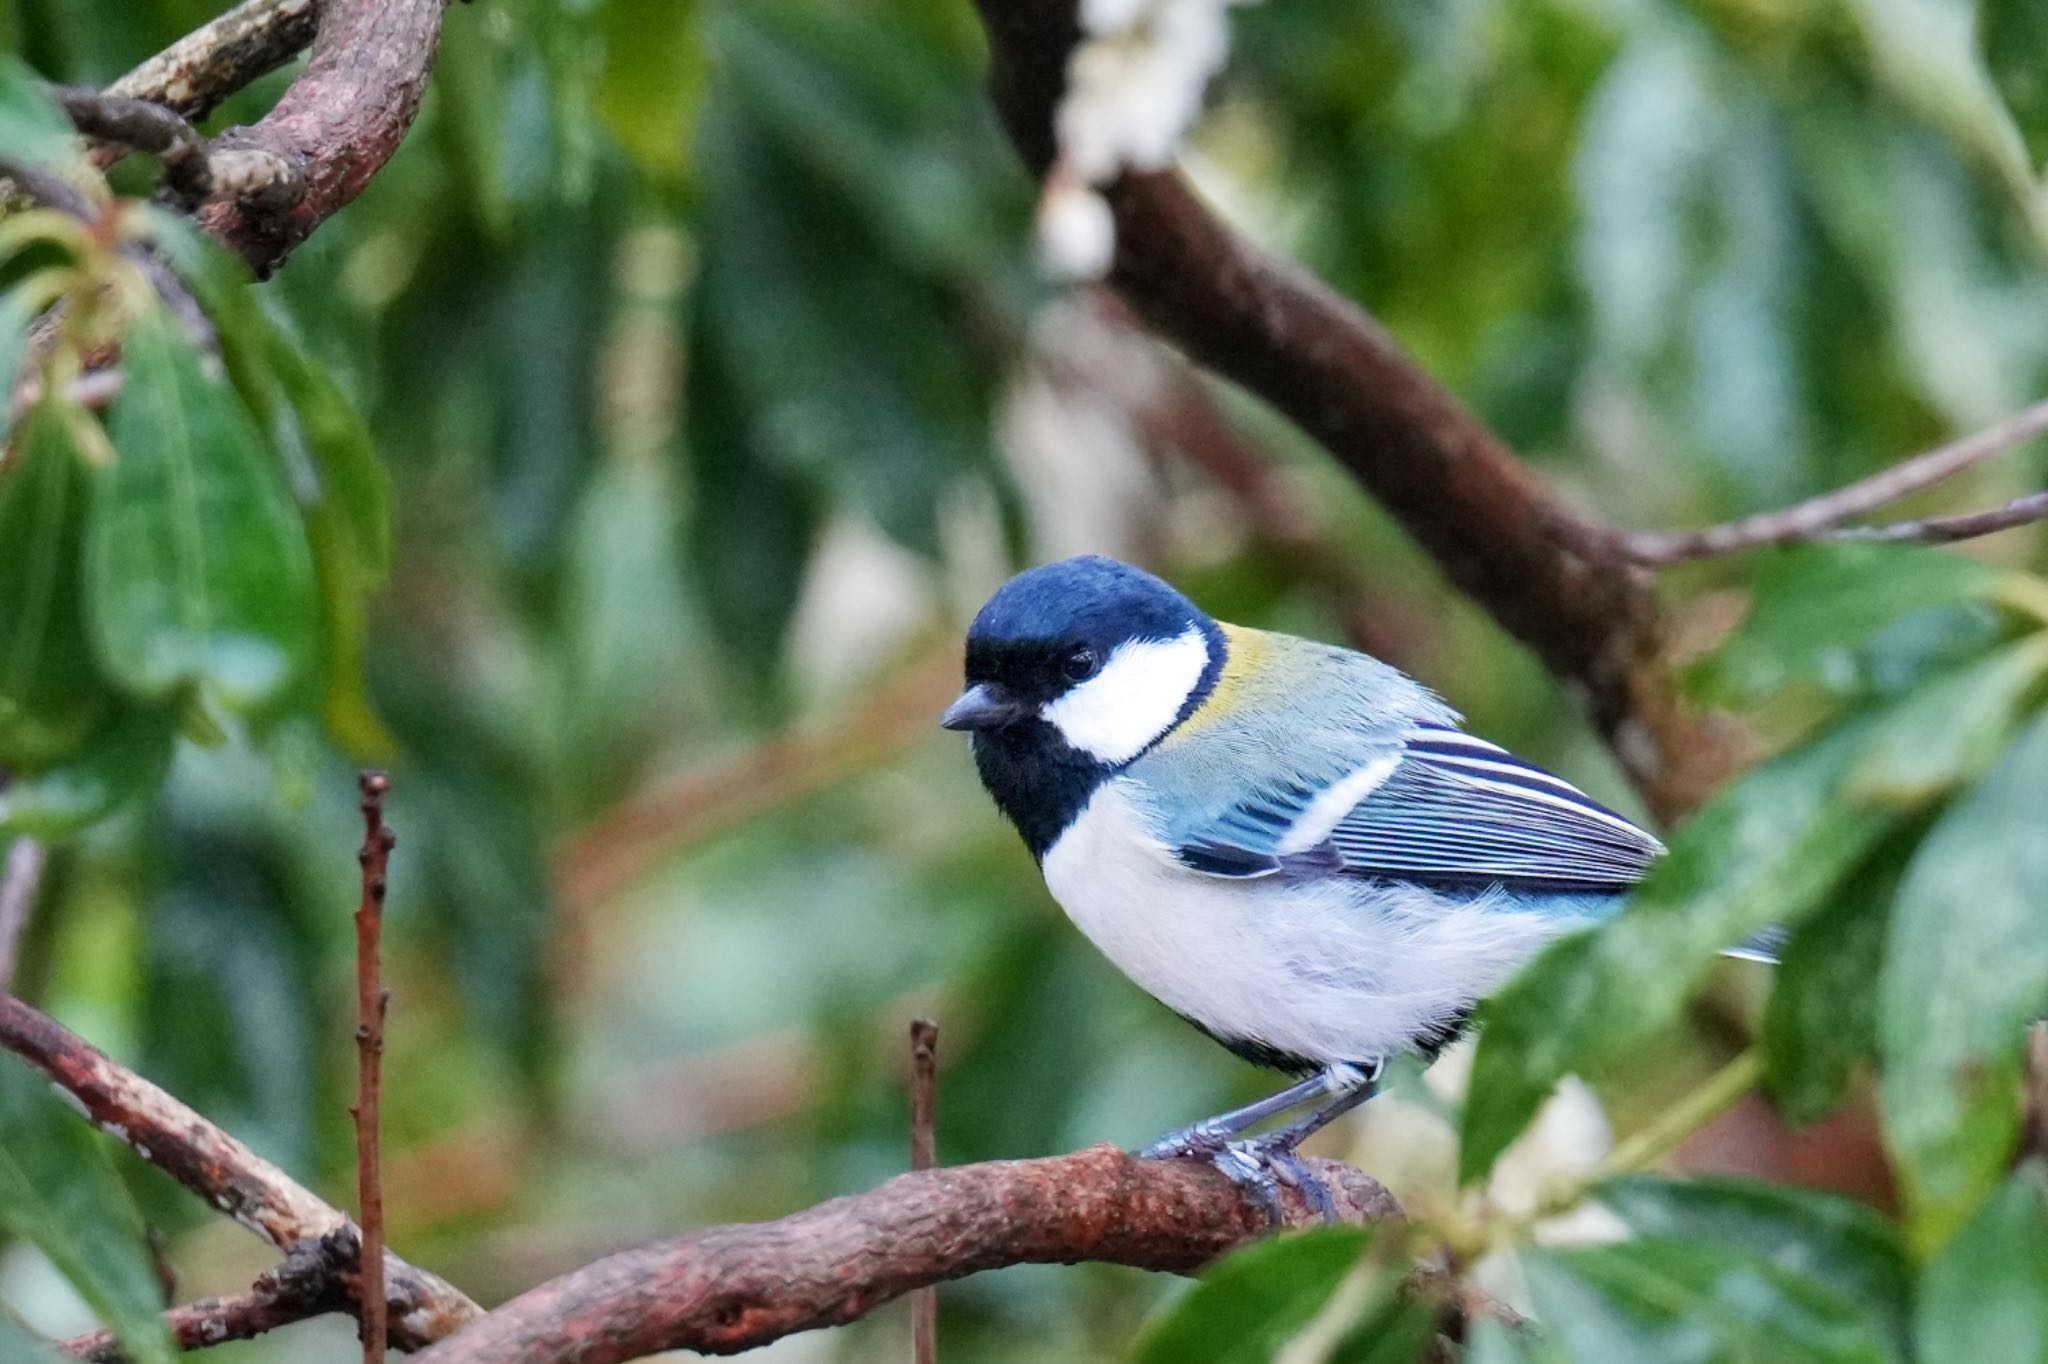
(1117, 713)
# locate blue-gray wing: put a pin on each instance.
(1459, 812)
(1438, 808)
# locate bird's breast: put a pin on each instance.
(1332, 968)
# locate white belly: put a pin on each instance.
(1333, 970)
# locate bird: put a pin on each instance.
(1291, 844)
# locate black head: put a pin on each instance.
(1073, 670)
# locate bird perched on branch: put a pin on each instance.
(1290, 844)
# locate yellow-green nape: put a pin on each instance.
(1246, 654)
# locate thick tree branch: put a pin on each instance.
(335, 127)
(727, 1289)
(1547, 576)
(217, 1167)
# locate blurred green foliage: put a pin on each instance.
(683, 379)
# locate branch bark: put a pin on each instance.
(732, 1288)
(219, 1168)
(194, 74)
(1546, 575)
(336, 126)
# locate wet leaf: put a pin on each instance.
(1966, 969)
(58, 1190)
(198, 572)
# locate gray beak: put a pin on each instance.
(982, 706)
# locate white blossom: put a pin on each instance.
(1134, 88)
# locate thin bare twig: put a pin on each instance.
(218, 1167)
(1943, 530)
(1820, 518)
(372, 999)
(20, 878)
(732, 1288)
(924, 1155)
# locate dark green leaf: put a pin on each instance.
(2012, 34)
(1654, 1301)
(1818, 612)
(59, 1190)
(1822, 1018)
(198, 571)
(126, 758)
(1952, 727)
(32, 127)
(51, 694)
(1250, 1303)
(1985, 1297)
(1966, 969)
(1846, 1245)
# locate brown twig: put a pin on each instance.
(143, 126)
(20, 878)
(219, 1168)
(309, 1283)
(334, 129)
(924, 1155)
(372, 999)
(2034, 1098)
(194, 74)
(731, 1288)
(1820, 518)
(1545, 574)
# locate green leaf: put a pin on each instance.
(346, 503)
(1771, 849)
(2012, 35)
(1822, 1018)
(1401, 1331)
(1819, 614)
(126, 757)
(51, 693)
(198, 572)
(652, 80)
(1656, 1301)
(1966, 969)
(1985, 1297)
(1844, 1244)
(32, 127)
(1768, 850)
(1251, 1302)
(58, 1189)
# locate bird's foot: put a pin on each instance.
(1258, 1165)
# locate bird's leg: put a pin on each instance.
(1207, 1137)
(1260, 1164)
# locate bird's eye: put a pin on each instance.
(1080, 665)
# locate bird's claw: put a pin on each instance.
(1258, 1165)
